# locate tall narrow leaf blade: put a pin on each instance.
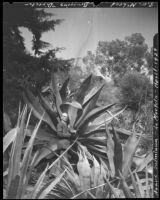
(147, 184)
(112, 189)
(38, 110)
(91, 104)
(19, 142)
(51, 186)
(91, 93)
(118, 154)
(26, 159)
(110, 151)
(15, 158)
(38, 184)
(125, 187)
(41, 135)
(48, 108)
(56, 92)
(63, 90)
(28, 175)
(73, 109)
(128, 153)
(44, 152)
(94, 114)
(82, 90)
(9, 138)
(139, 185)
(52, 146)
(12, 193)
(135, 186)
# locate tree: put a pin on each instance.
(19, 67)
(116, 57)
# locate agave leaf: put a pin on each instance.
(91, 104)
(48, 108)
(84, 171)
(14, 162)
(28, 175)
(91, 93)
(91, 127)
(145, 162)
(110, 151)
(63, 90)
(93, 141)
(124, 132)
(72, 112)
(6, 122)
(147, 188)
(141, 190)
(93, 132)
(104, 165)
(38, 184)
(97, 152)
(101, 139)
(42, 134)
(63, 154)
(56, 92)
(44, 152)
(107, 117)
(82, 90)
(135, 186)
(100, 120)
(85, 150)
(38, 110)
(26, 159)
(125, 187)
(95, 172)
(128, 153)
(53, 145)
(9, 138)
(118, 154)
(12, 192)
(83, 165)
(51, 186)
(90, 114)
(72, 176)
(112, 189)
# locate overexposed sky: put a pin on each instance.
(82, 28)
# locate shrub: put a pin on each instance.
(135, 90)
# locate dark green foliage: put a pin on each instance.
(135, 90)
(118, 56)
(19, 67)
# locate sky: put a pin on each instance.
(83, 28)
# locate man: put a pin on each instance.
(63, 126)
(64, 129)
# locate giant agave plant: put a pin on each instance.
(110, 159)
(85, 117)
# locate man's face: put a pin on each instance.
(64, 117)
